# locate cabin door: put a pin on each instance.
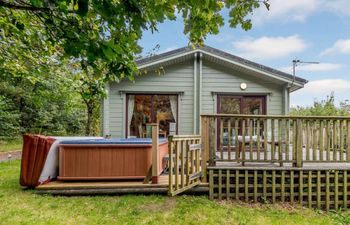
(233, 104)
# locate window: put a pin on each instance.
(144, 109)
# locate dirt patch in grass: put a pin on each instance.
(7, 156)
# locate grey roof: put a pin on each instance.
(220, 53)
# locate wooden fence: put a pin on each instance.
(275, 139)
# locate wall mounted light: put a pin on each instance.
(243, 86)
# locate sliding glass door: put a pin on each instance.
(232, 104)
(151, 108)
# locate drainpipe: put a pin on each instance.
(195, 103)
(200, 91)
(286, 90)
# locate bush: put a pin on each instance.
(10, 127)
(323, 108)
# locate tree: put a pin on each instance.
(45, 104)
(325, 107)
(102, 35)
(108, 31)
(36, 93)
(8, 119)
(91, 90)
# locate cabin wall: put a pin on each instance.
(217, 79)
(176, 78)
(198, 81)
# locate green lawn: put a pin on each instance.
(13, 145)
(18, 206)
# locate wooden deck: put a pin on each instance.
(112, 187)
(260, 158)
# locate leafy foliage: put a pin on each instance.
(323, 108)
(91, 90)
(51, 49)
(8, 120)
(97, 31)
(47, 106)
(36, 93)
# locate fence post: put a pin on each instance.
(205, 146)
(299, 143)
(155, 137)
(170, 166)
(212, 140)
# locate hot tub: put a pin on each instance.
(108, 159)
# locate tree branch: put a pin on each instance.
(22, 7)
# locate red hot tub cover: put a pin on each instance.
(34, 153)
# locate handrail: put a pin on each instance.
(277, 116)
(184, 137)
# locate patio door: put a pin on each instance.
(143, 109)
(233, 104)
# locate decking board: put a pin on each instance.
(110, 187)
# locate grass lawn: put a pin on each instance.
(13, 145)
(19, 206)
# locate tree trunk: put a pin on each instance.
(90, 110)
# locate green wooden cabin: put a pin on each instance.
(178, 86)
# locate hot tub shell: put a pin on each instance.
(108, 161)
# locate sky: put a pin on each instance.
(308, 30)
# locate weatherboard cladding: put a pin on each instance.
(179, 78)
(226, 55)
(176, 78)
(221, 80)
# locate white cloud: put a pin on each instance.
(298, 10)
(319, 90)
(222, 38)
(168, 49)
(340, 46)
(322, 67)
(269, 47)
(282, 10)
(337, 6)
(326, 86)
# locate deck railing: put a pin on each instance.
(275, 139)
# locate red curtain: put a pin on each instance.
(34, 153)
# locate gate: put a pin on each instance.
(184, 163)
